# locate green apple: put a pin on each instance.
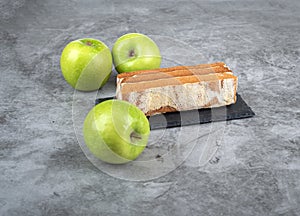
(116, 131)
(86, 64)
(133, 51)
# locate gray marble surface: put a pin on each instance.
(253, 168)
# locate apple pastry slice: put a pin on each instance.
(178, 88)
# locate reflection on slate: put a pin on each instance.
(238, 110)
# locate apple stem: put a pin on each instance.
(134, 136)
(131, 53)
(89, 43)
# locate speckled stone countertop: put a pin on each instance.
(251, 168)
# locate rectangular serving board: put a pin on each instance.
(239, 110)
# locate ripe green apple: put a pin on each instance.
(86, 64)
(133, 51)
(116, 131)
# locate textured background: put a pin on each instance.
(256, 169)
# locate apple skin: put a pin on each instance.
(134, 51)
(86, 64)
(116, 131)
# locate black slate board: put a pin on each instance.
(238, 110)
